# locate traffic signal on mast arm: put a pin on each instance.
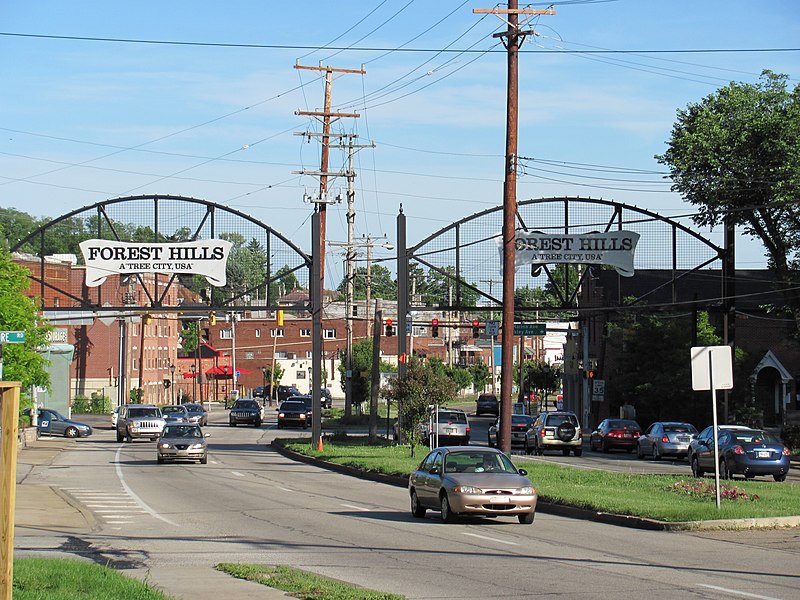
(388, 329)
(434, 327)
(589, 374)
(476, 328)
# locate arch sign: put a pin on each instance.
(108, 257)
(614, 248)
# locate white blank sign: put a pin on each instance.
(720, 362)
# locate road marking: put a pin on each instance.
(737, 592)
(491, 539)
(139, 501)
(354, 507)
(283, 489)
(237, 473)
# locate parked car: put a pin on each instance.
(615, 433)
(325, 398)
(197, 414)
(451, 425)
(282, 392)
(114, 417)
(744, 451)
(52, 422)
(464, 480)
(558, 430)
(182, 441)
(487, 404)
(139, 421)
(260, 391)
(665, 438)
(245, 411)
(293, 413)
(522, 432)
(175, 413)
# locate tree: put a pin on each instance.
(21, 362)
(383, 286)
(424, 383)
(736, 155)
(480, 375)
(362, 372)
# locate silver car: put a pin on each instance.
(182, 441)
(665, 438)
(447, 426)
(464, 480)
(139, 421)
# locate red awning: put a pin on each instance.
(189, 375)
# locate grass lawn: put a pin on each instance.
(71, 579)
(661, 497)
(302, 584)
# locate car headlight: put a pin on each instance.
(303, 416)
(164, 445)
(467, 489)
(197, 447)
(281, 415)
(524, 491)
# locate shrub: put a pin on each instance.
(702, 489)
(791, 436)
(80, 405)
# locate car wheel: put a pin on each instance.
(204, 460)
(119, 437)
(539, 450)
(578, 451)
(724, 473)
(232, 424)
(528, 448)
(604, 446)
(257, 424)
(160, 459)
(696, 467)
(129, 439)
(779, 476)
(527, 518)
(71, 432)
(448, 516)
(416, 508)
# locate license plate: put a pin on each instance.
(627, 435)
(497, 500)
(449, 430)
(763, 454)
(683, 439)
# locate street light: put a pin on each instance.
(193, 369)
(172, 382)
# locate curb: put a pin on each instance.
(564, 510)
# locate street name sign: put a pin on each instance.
(12, 337)
(530, 328)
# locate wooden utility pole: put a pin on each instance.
(327, 118)
(9, 426)
(512, 39)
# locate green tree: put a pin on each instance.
(423, 384)
(383, 286)
(360, 384)
(736, 155)
(481, 374)
(461, 377)
(21, 362)
(285, 281)
(15, 225)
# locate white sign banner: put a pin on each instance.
(107, 257)
(615, 248)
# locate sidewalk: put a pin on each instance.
(41, 507)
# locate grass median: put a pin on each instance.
(671, 498)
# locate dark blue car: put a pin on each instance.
(52, 422)
(748, 452)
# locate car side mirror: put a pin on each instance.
(435, 470)
(206, 435)
(522, 471)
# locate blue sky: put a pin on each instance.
(83, 121)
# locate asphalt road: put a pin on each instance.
(249, 504)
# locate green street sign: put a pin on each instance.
(12, 337)
(530, 328)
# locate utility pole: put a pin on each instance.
(327, 118)
(512, 38)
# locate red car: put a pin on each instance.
(615, 433)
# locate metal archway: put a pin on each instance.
(261, 258)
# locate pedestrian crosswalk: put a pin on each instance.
(113, 508)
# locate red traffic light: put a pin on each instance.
(389, 322)
(434, 322)
(434, 327)
(476, 323)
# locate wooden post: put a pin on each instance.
(9, 425)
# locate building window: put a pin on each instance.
(226, 334)
(305, 333)
(281, 355)
(309, 354)
(329, 334)
(135, 364)
(258, 333)
(276, 333)
(249, 355)
(300, 375)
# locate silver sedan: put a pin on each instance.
(182, 441)
(464, 480)
(665, 438)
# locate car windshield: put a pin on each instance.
(477, 462)
(556, 420)
(521, 420)
(138, 413)
(292, 406)
(452, 417)
(194, 407)
(173, 409)
(680, 428)
(182, 432)
(489, 399)
(247, 404)
(623, 424)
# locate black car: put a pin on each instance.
(282, 392)
(522, 433)
(488, 404)
(325, 398)
(246, 411)
(307, 401)
(615, 433)
(293, 413)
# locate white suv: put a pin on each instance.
(558, 430)
(139, 421)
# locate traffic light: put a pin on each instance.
(589, 373)
(476, 328)
(435, 327)
(389, 330)
(166, 383)
(279, 318)
(212, 318)
(403, 358)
